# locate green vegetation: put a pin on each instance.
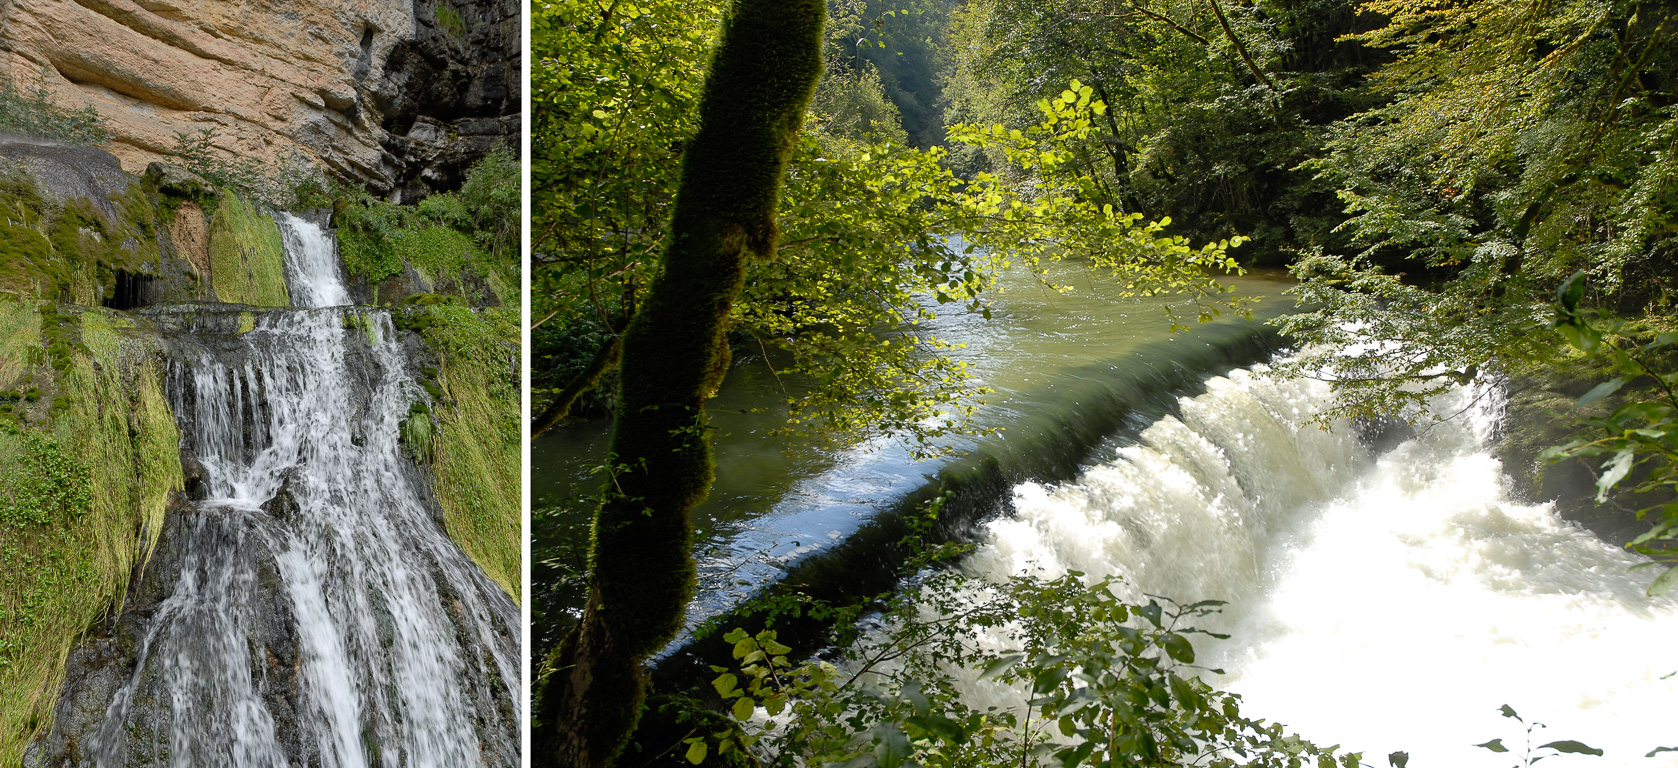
(33, 112)
(71, 251)
(449, 19)
(1095, 680)
(88, 459)
(471, 438)
(675, 352)
(247, 256)
(866, 227)
(464, 243)
(1431, 173)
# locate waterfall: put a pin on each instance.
(311, 264)
(320, 615)
(1382, 603)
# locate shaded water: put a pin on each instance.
(1383, 603)
(320, 615)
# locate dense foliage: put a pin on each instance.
(1522, 143)
(466, 240)
(1069, 674)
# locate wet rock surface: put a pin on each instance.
(203, 542)
(68, 173)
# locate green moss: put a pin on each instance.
(450, 21)
(247, 256)
(84, 480)
(473, 446)
(247, 322)
(674, 352)
(377, 240)
(71, 251)
(363, 323)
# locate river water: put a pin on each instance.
(1383, 599)
(1381, 602)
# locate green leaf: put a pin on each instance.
(937, 725)
(1602, 390)
(1495, 745)
(1614, 470)
(725, 684)
(743, 708)
(1000, 666)
(1571, 291)
(1508, 712)
(1572, 747)
(1664, 582)
(696, 751)
(1179, 648)
(891, 748)
(1398, 759)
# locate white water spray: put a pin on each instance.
(1382, 603)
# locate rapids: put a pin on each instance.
(1381, 602)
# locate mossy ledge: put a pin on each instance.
(468, 440)
(247, 256)
(89, 461)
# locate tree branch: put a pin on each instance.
(604, 360)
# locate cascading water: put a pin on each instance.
(311, 264)
(1383, 603)
(320, 616)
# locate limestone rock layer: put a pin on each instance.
(402, 95)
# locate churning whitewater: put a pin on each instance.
(321, 616)
(1383, 603)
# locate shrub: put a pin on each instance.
(34, 112)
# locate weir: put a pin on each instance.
(1070, 372)
(837, 537)
(306, 607)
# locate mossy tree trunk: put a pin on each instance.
(675, 352)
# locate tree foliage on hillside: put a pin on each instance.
(1522, 143)
(1212, 105)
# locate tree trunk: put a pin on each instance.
(675, 352)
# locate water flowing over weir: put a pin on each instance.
(1382, 602)
(318, 614)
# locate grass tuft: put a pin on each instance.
(474, 448)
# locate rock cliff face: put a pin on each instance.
(400, 94)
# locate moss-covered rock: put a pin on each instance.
(391, 253)
(247, 255)
(89, 458)
(468, 438)
(1541, 413)
(73, 229)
